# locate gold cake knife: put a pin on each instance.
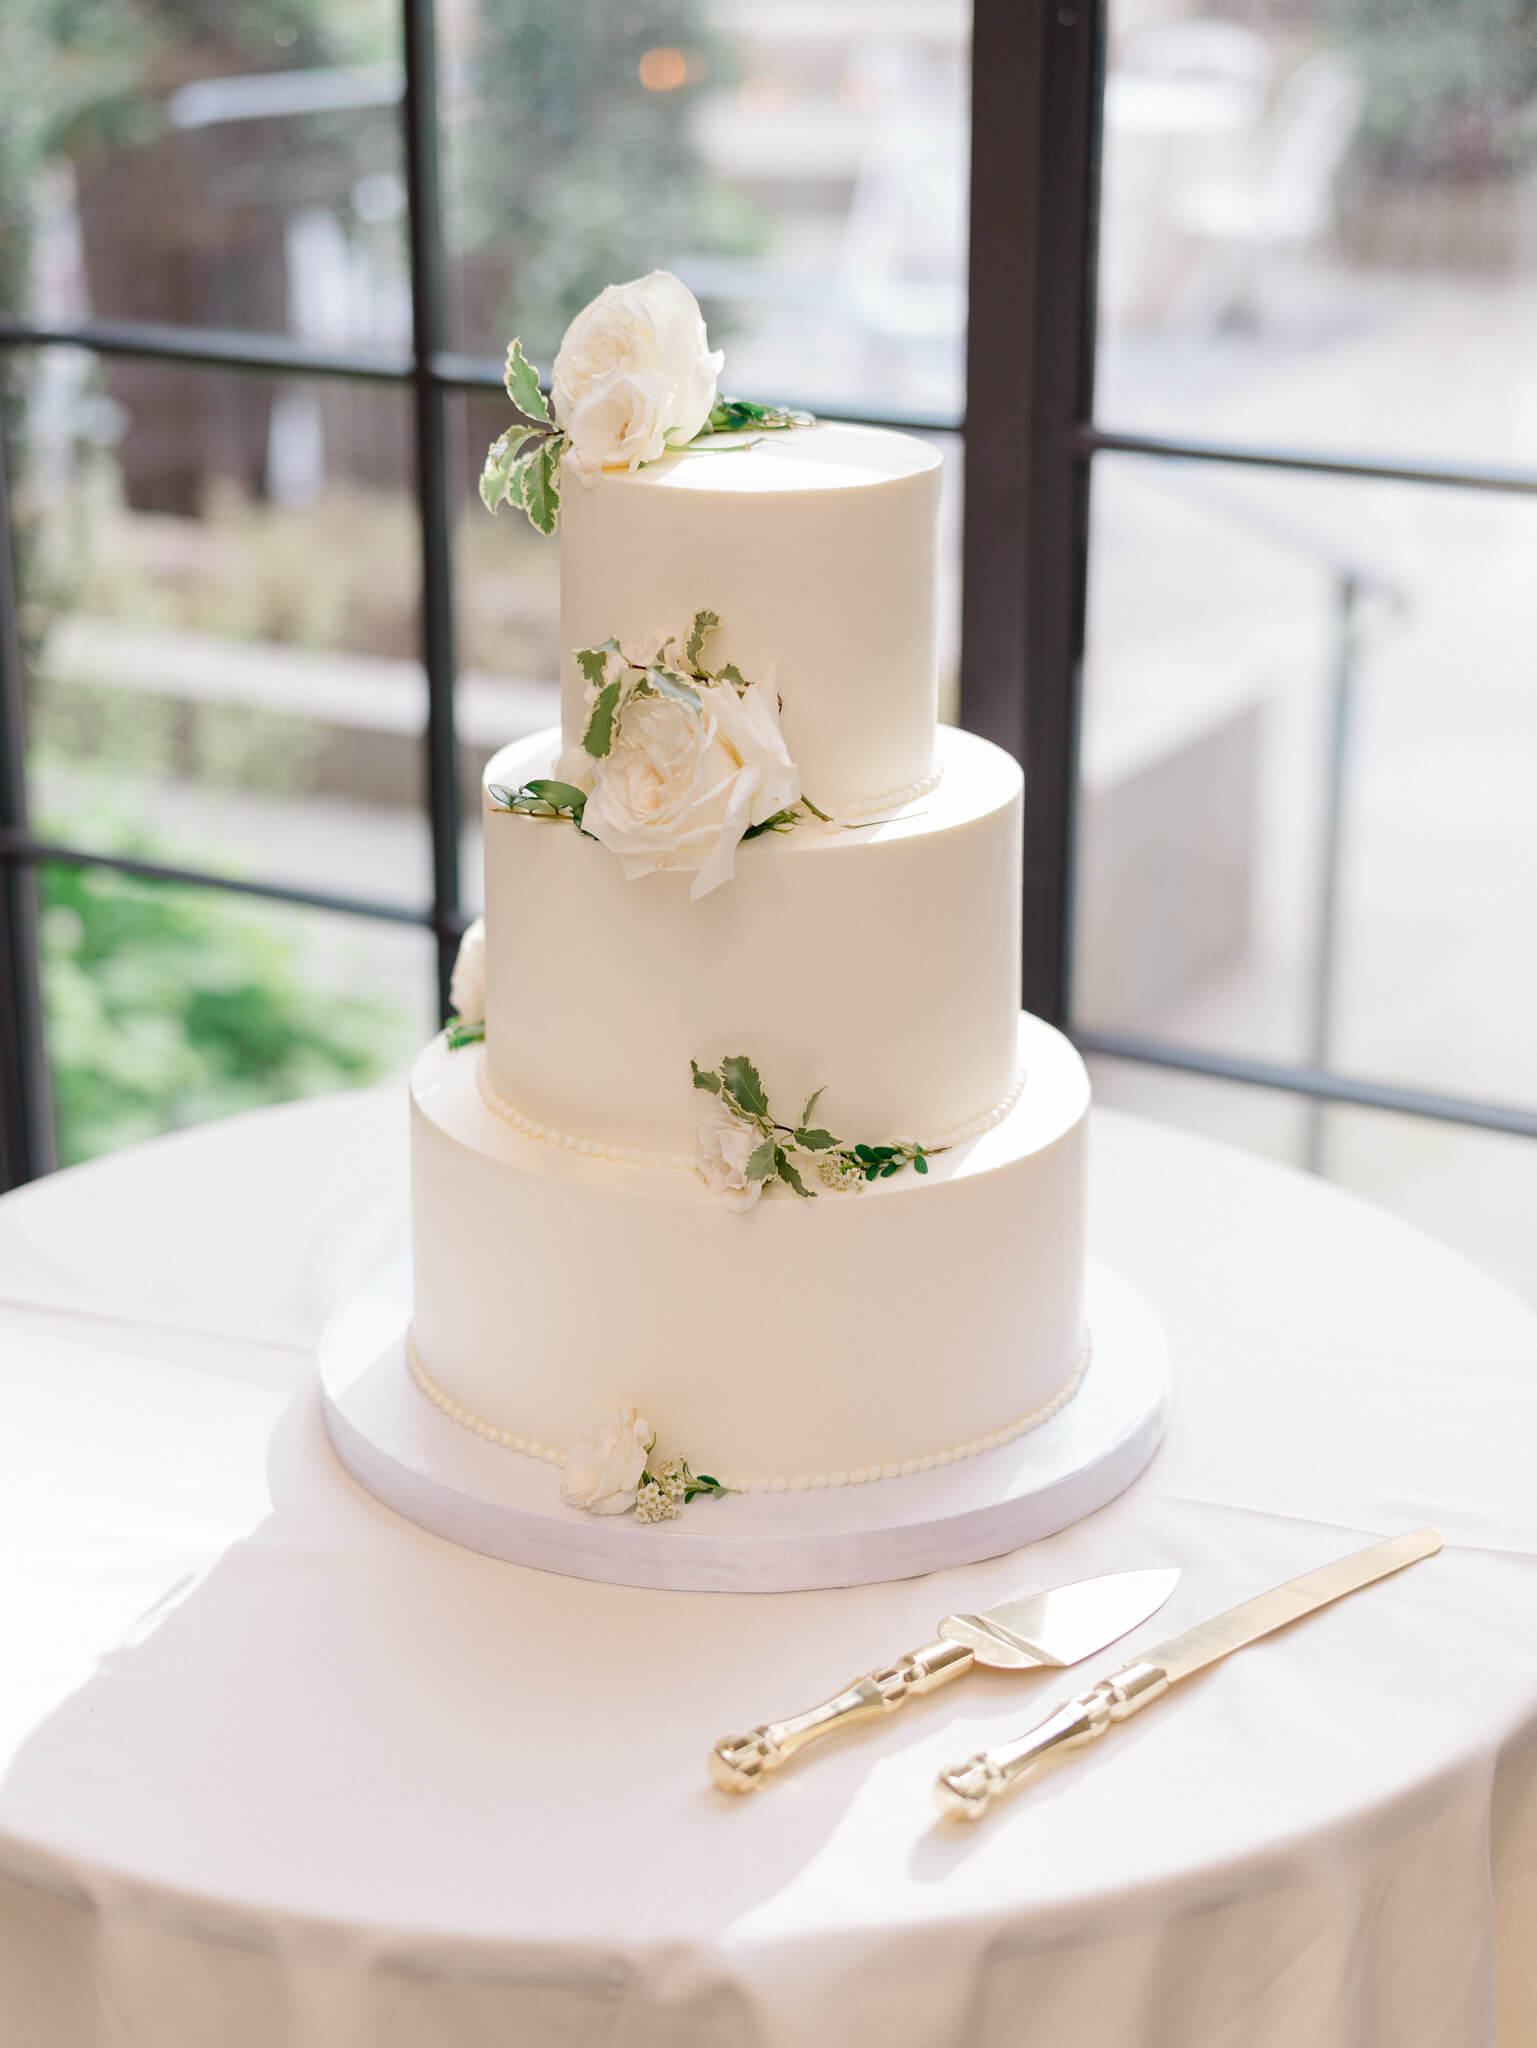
(1061, 1626)
(966, 1792)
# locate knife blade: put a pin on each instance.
(966, 1792)
(1057, 1627)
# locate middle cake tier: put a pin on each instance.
(879, 963)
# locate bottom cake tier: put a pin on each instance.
(866, 1333)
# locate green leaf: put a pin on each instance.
(541, 484)
(788, 1174)
(460, 1034)
(522, 381)
(701, 1482)
(815, 1141)
(811, 1102)
(761, 1162)
(708, 1081)
(565, 796)
(497, 481)
(744, 1085)
(894, 1167)
(780, 822)
(668, 683)
(703, 626)
(865, 1152)
(731, 415)
(872, 1170)
(920, 1163)
(733, 675)
(599, 736)
(593, 661)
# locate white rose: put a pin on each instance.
(725, 1146)
(679, 787)
(467, 988)
(604, 1465)
(635, 375)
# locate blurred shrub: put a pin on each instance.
(574, 172)
(1451, 85)
(168, 1006)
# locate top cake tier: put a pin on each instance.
(816, 547)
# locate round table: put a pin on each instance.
(283, 1771)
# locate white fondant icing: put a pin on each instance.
(821, 1336)
(894, 799)
(775, 1483)
(880, 961)
(817, 548)
(687, 1162)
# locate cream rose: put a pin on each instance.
(725, 1146)
(635, 375)
(467, 988)
(679, 787)
(604, 1465)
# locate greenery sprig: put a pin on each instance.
(787, 1152)
(665, 1491)
(523, 465)
(541, 798)
(462, 1031)
(744, 416)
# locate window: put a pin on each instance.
(1232, 391)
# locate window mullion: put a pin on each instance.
(433, 474)
(26, 1115)
(1036, 74)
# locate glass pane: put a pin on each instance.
(1473, 1189)
(1318, 224)
(220, 581)
(1222, 621)
(802, 167)
(166, 1006)
(235, 165)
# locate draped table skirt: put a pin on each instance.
(278, 1770)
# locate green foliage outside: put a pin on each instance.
(167, 1006)
(569, 172)
(1451, 85)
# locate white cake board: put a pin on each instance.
(437, 1473)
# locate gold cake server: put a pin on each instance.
(966, 1792)
(1061, 1626)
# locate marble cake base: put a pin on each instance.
(436, 1473)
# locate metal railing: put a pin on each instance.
(1038, 77)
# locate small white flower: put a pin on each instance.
(725, 1146)
(605, 1465)
(680, 786)
(635, 375)
(837, 1174)
(467, 987)
(657, 1503)
(672, 1483)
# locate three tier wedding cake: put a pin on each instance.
(739, 1169)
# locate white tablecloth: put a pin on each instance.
(280, 1771)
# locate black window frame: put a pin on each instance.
(1030, 439)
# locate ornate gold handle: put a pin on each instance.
(738, 1762)
(966, 1792)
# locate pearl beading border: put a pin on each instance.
(894, 800)
(863, 1475)
(686, 1162)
